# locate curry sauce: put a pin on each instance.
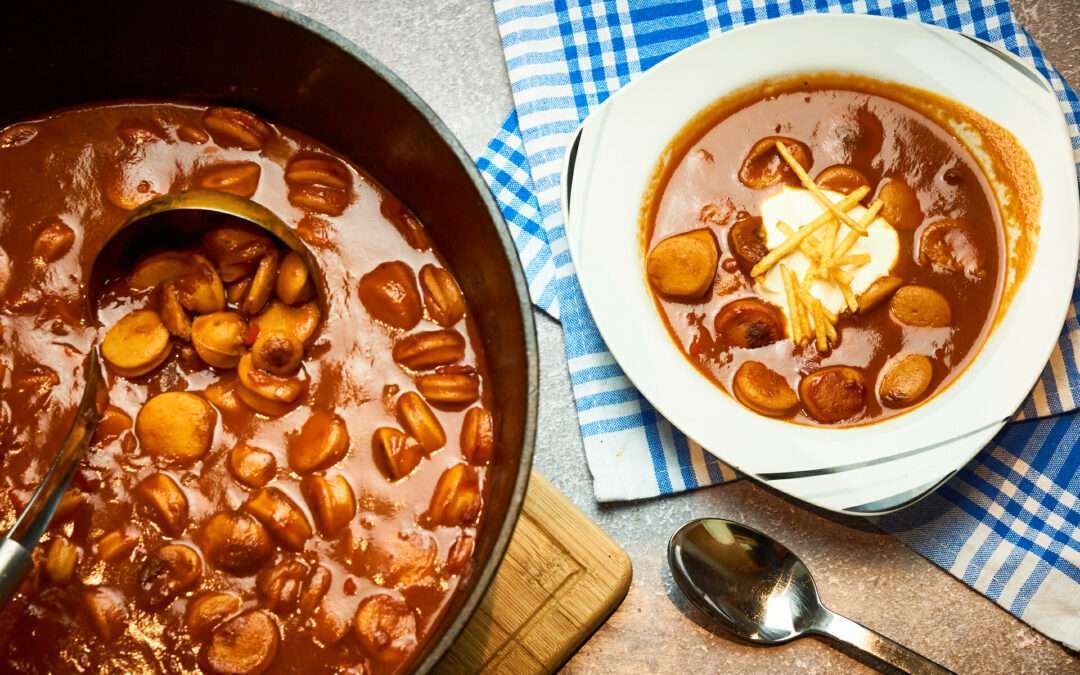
(910, 333)
(273, 485)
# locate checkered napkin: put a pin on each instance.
(1007, 525)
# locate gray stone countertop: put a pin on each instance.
(449, 52)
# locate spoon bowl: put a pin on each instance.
(758, 590)
(762, 591)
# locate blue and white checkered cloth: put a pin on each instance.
(1008, 524)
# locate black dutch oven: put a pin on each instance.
(289, 69)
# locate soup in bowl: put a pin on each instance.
(824, 251)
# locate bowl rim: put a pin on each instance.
(434, 650)
(599, 125)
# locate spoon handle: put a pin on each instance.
(877, 645)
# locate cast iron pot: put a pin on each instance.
(257, 55)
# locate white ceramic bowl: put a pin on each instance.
(864, 470)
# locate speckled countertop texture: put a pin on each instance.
(449, 52)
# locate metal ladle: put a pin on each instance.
(760, 591)
(18, 543)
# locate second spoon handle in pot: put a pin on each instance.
(875, 644)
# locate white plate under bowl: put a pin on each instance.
(865, 470)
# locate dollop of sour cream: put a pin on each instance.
(796, 207)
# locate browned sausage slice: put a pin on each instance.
(878, 292)
(176, 427)
(948, 247)
(235, 542)
(390, 294)
(747, 241)
(749, 323)
(208, 610)
(244, 645)
(763, 166)
(900, 205)
(385, 628)
(136, 344)
(683, 267)
(906, 380)
(842, 178)
(920, 306)
(763, 390)
(833, 394)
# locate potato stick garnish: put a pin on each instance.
(802, 291)
(819, 328)
(792, 242)
(786, 247)
(793, 313)
(850, 259)
(853, 236)
(827, 244)
(820, 332)
(800, 308)
(834, 337)
(810, 185)
(807, 247)
(843, 280)
(804, 316)
(805, 296)
(798, 315)
(804, 319)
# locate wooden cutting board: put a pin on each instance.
(560, 579)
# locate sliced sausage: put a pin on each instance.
(948, 247)
(235, 542)
(683, 267)
(244, 645)
(176, 427)
(294, 284)
(833, 394)
(106, 611)
(900, 205)
(747, 241)
(218, 338)
(878, 292)
(136, 344)
(763, 390)
(252, 466)
(906, 380)
(749, 323)
(390, 294)
(385, 628)
(920, 306)
(842, 178)
(208, 610)
(442, 295)
(322, 441)
(170, 570)
(763, 166)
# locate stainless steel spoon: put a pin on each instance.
(17, 544)
(759, 590)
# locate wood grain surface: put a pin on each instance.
(560, 579)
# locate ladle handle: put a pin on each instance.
(14, 563)
(18, 542)
(875, 644)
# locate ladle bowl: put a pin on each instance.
(160, 222)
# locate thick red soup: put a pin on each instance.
(283, 480)
(823, 252)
